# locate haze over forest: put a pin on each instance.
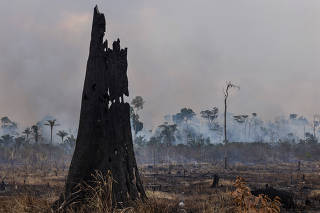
(180, 54)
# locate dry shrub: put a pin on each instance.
(98, 196)
(25, 204)
(153, 205)
(99, 199)
(246, 202)
(99, 193)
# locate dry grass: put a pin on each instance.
(246, 202)
(194, 190)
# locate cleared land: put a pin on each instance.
(170, 185)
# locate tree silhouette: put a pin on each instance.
(136, 123)
(293, 116)
(9, 126)
(315, 124)
(6, 139)
(35, 131)
(70, 143)
(51, 124)
(241, 119)
(7, 123)
(137, 103)
(71, 140)
(27, 132)
(210, 116)
(167, 133)
(62, 134)
(254, 120)
(226, 95)
(104, 141)
(185, 115)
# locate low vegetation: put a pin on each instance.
(175, 188)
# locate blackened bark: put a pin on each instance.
(215, 182)
(104, 139)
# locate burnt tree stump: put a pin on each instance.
(2, 186)
(104, 139)
(215, 182)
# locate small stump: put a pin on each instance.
(215, 182)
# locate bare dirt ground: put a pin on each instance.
(174, 188)
(190, 182)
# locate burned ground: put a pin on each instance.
(186, 183)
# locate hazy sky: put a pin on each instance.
(180, 52)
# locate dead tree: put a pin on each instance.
(226, 95)
(315, 125)
(104, 139)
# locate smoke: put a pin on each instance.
(180, 54)
(254, 129)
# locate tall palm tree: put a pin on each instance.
(27, 132)
(62, 134)
(51, 124)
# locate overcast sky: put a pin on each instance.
(180, 53)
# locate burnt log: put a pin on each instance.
(104, 139)
(286, 198)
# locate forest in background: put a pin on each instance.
(185, 137)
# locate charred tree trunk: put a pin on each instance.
(215, 182)
(225, 130)
(104, 139)
(226, 95)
